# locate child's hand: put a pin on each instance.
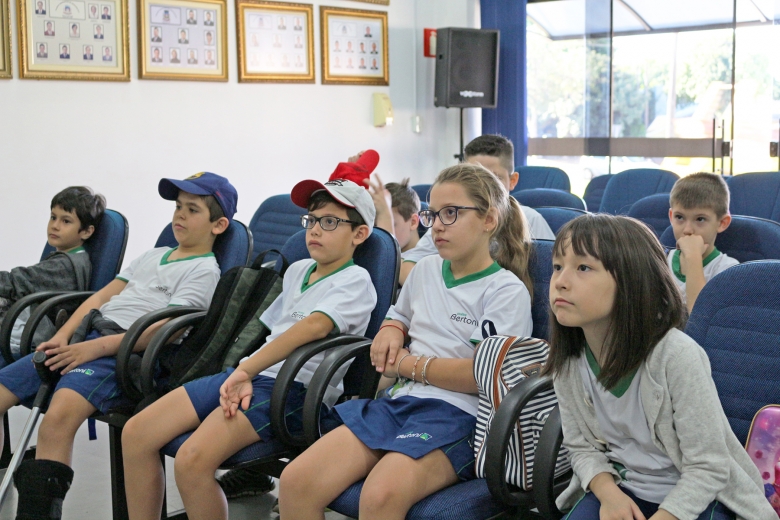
(54, 342)
(383, 203)
(237, 389)
(692, 247)
(620, 507)
(386, 346)
(391, 369)
(71, 356)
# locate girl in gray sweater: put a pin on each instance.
(640, 412)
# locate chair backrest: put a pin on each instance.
(746, 239)
(276, 220)
(540, 267)
(106, 249)
(594, 191)
(422, 191)
(379, 255)
(653, 210)
(735, 321)
(557, 217)
(625, 188)
(756, 195)
(542, 177)
(231, 248)
(541, 197)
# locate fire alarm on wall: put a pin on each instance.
(429, 43)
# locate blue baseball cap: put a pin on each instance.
(203, 183)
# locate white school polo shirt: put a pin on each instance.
(715, 263)
(538, 227)
(346, 296)
(155, 282)
(448, 317)
(646, 470)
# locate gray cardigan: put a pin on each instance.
(687, 423)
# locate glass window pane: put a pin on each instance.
(667, 14)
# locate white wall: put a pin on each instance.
(121, 138)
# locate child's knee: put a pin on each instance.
(296, 478)
(134, 435)
(192, 460)
(377, 497)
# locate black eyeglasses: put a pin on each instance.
(448, 215)
(326, 223)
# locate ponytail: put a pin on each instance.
(512, 239)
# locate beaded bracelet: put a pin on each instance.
(414, 368)
(425, 369)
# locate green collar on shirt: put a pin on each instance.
(619, 389)
(77, 249)
(450, 281)
(676, 262)
(305, 285)
(164, 260)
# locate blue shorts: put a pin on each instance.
(95, 381)
(414, 427)
(589, 506)
(204, 395)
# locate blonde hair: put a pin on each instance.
(510, 242)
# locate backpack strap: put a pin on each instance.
(260, 259)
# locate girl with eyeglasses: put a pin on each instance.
(417, 440)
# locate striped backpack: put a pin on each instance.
(501, 362)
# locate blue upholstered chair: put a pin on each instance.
(232, 248)
(746, 239)
(473, 499)
(756, 195)
(421, 230)
(557, 217)
(594, 191)
(540, 197)
(532, 177)
(422, 191)
(380, 256)
(276, 220)
(627, 187)
(653, 210)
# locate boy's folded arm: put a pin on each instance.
(313, 327)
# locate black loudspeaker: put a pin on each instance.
(466, 68)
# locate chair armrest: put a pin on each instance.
(139, 326)
(158, 345)
(43, 309)
(284, 380)
(13, 314)
(545, 486)
(497, 443)
(319, 384)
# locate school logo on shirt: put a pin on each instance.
(411, 435)
(297, 315)
(462, 317)
(164, 289)
(85, 371)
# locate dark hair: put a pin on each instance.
(648, 302)
(510, 244)
(88, 205)
(405, 199)
(702, 190)
(322, 197)
(495, 146)
(215, 210)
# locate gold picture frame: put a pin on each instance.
(275, 41)
(354, 46)
(74, 40)
(182, 40)
(6, 69)
(378, 2)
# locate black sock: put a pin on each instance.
(42, 485)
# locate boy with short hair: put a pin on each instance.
(497, 154)
(327, 294)
(699, 211)
(76, 213)
(84, 349)
(405, 209)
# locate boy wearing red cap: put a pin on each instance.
(84, 349)
(327, 294)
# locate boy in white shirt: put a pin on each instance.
(699, 211)
(84, 349)
(327, 294)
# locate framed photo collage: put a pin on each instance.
(188, 40)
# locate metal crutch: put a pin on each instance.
(48, 382)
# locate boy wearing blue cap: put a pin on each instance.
(84, 349)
